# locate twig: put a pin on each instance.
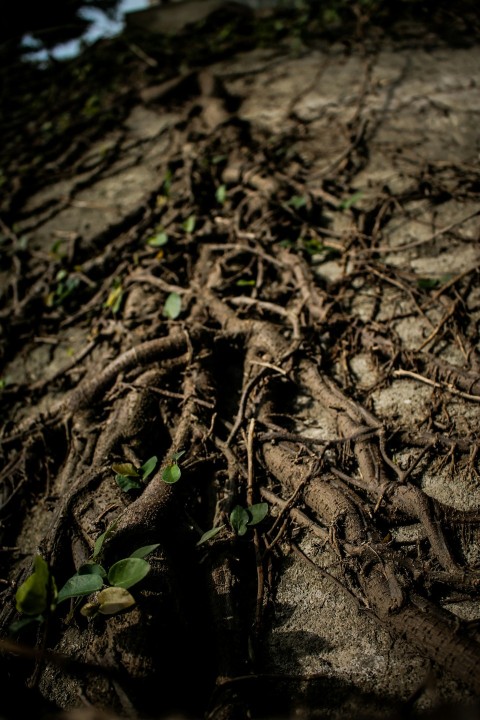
(242, 405)
(432, 383)
(437, 329)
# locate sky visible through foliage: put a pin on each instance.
(101, 26)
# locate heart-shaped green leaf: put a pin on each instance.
(128, 572)
(80, 585)
(171, 474)
(257, 513)
(92, 569)
(239, 519)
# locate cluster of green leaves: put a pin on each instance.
(130, 477)
(241, 518)
(173, 303)
(65, 285)
(38, 596)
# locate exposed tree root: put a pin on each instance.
(260, 345)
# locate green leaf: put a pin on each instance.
(128, 572)
(80, 585)
(32, 596)
(257, 513)
(171, 474)
(177, 455)
(189, 224)
(210, 534)
(221, 194)
(297, 201)
(92, 569)
(97, 548)
(141, 552)
(18, 625)
(127, 469)
(245, 283)
(158, 240)
(113, 600)
(173, 306)
(114, 299)
(127, 483)
(348, 202)
(239, 519)
(428, 283)
(312, 245)
(148, 467)
(167, 182)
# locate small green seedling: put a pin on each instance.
(350, 202)
(167, 182)
(129, 477)
(430, 283)
(115, 297)
(172, 473)
(98, 547)
(297, 201)
(38, 594)
(241, 518)
(158, 240)
(65, 285)
(221, 194)
(189, 224)
(173, 306)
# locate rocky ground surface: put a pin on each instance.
(271, 263)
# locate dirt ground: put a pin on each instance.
(271, 263)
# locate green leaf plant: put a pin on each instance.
(241, 518)
(172, 473)
(38, 596)
(129, 477)
(173, 306)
